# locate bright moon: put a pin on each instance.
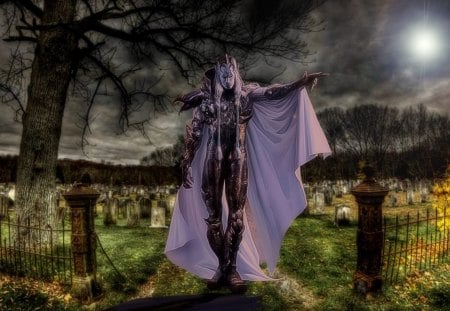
(425, 44)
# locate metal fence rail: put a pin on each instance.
(414, 244)
(43, 252)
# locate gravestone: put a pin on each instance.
(341, 215)
(345, 188)
(124, 191)
(61, 207)
(328, 196)
(170, 204)
(145, 207)
(4, 206)
(319, 202)
(158, 216)
(307, 189)
(12, 193)
(133, 212)
(110, 212)
(393, 200)
(423, 191)
(410, 196)
(338, 191)
(122, 206)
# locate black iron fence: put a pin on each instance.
(41, 252)
(414, 243)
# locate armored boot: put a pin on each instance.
(233, 237)
(216, 241)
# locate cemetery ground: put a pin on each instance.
(315, 271)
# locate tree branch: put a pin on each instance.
(30, 7)
(20, 38)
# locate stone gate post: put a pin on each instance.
(369, 196)
(81, 200)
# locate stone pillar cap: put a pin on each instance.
(369, 187)
(81, 190)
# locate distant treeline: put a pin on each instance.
(410, 143)
(70, 171)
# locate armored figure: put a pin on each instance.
(222, 109)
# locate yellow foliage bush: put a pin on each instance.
(441, 202)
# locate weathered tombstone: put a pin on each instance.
(12, 193)
(410, 196)
(4, 205)
(339, 191)
(307, 189)
(423, 190)
(319, 202)
(122, 206)
(132, 209)
(145, 207)
(158, 216)
(328, 196)
(170, 204)
(345, 188)
(393, 200)
(141, 191)
(124, 191)
(110, 212)
(61, 207)
(341, 215)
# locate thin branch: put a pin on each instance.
(86, 128)
(30, 6)
(20, 38)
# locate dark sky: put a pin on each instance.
(367, 47)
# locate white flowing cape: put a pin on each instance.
(282, 135)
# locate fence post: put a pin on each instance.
(81, 200)
(369, 196)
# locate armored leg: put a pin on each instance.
(236, 190)
(212, 185)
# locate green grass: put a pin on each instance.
(321, 256)
(316, 266)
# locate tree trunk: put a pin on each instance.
(49, 81)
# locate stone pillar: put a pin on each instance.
(369, 196)
(81, 200)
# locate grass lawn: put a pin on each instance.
(315, 272)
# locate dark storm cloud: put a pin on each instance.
(107, 142)
(9, 131)
(366, 48)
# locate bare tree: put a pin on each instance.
(331, 120)
(167, 156)
(81, 46)
(370, 132)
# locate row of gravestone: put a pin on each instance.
(111, 191)
(322, 195)
(318, 195)
(340, 187)
(133, 209)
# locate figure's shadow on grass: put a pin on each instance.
(216, 302)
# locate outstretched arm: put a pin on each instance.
(191, 144)
(278, 91)
(191, 100)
